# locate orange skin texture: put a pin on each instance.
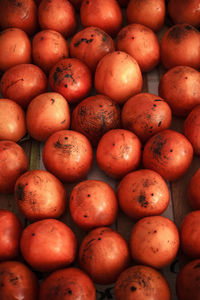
(71, 78)
(15, 48)
(105, 15)
(22, 83)
(154, 241)
(48, 47)
(191, 128)
(150, 13)
(180, 87)
(57, 15)
(187, 281)
(183, 11)
(169, 153)
(46, 114)
(48, 245)
(73, 283)
(17, 281)
(141, 43)
(142, 283)
(21, 14)
(68, 155)
(180, 46)
(13, 163)
(118, 152)
(94, 116)
(94, 258)
(10, 232)
(93, 203)
(193, 191)
(143, 193)
(118, 76)
(40, 195)
(189, 234)
(91, 40)
(146, 114)
(12, 120)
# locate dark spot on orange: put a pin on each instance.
(146, 183)
(87, 41)
(89, 244)
(148, 116)
(188, 27)
(14, 280)
(58, 144)
(104, 38)
(102, 231)
(144, 283)
(133, 288)
(56, 74)
(69, 292)
(157, 146)
(179, 32)
(142, 200)
(154, 250)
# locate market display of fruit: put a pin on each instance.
(99, 149)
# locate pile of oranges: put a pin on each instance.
(72, 78)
